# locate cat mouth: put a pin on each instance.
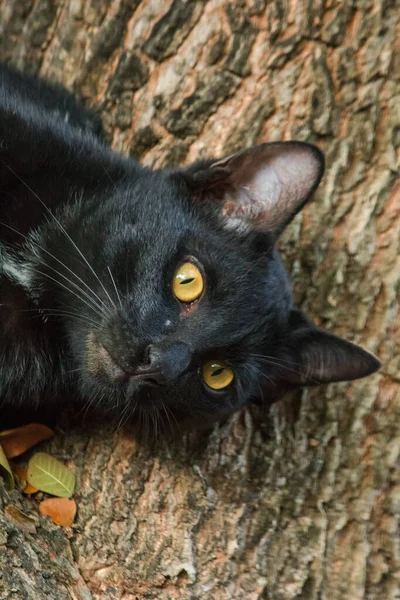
(101, 361)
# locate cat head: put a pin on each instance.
(180, 299)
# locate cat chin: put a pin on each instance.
(141, 398)
(99, 390)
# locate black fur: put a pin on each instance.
(90, 242)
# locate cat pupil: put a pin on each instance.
(218, 372)
(187, 281)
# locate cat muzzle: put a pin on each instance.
(163, 363)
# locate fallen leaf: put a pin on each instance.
(29, 489)
(21, 474)
(20, 519)
(17, 441)
(5, 469)
(61, 510)
(49, 475)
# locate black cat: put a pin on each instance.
(149, 290)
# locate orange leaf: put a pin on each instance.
(17, 441)
(61, 510)
(29, 489)
(22, 475)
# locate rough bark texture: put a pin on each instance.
(303, 504)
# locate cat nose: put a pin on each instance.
(164, 363)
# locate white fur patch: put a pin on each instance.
(16, 270)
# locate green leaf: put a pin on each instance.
(5, 469)
(49, 475)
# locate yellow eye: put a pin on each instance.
(217, 375)
(188, 283)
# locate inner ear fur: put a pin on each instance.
(261, 188)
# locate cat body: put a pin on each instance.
(148, 290)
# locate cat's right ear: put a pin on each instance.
(313, 356)
(261, 188)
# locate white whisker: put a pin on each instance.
(70, 291)
(64, 265)
(115, 287)
(60, 226)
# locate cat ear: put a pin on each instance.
(312, 357)
(317, 356)
(261, 188)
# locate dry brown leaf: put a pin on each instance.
(22, 476)
(17, 441)
(20, 519)
(61, 510)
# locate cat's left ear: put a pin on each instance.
(261, 188)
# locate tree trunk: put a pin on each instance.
(302, 503)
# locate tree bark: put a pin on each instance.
(302, 503)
